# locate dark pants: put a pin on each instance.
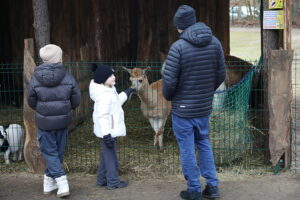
(191, 132)
(108, 171)
(52, 145)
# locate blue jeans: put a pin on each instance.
(190, 132)
(52, 145)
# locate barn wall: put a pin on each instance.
(129, 30)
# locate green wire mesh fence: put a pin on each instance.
(232, 131)
(229, 133)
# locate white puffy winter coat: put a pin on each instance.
(108, 115)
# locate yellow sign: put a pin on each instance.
(273, 19)
(275, 4)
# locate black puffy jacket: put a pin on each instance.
(53, 93)
(195, 67)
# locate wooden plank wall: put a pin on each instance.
(130, 29)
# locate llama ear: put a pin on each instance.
(128, 70)
(146, 70)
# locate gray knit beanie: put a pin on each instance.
(51, 53)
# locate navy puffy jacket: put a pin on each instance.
(194, 69)
(53, 93)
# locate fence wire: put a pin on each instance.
(236, 128)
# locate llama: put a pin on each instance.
(153, 105)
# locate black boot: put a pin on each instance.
(101, 184)
(122, 184)
(190, 195)
(211, 192)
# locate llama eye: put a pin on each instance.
(140, 81)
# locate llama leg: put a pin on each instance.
(160, 134)
(156, 124)
(160, 139)
(155, 139)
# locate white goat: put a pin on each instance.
(12, 141)
(153, 105)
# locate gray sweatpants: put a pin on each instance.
(108, 171)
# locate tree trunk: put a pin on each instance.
(32, 153)
(250, 8)
(41, 23)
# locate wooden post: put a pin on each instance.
(270, 41)
(287, 32)
(287, 45)
(274, 40)
(32, 153)
(222, 26)
(280, 99)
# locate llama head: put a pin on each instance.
(138, 77)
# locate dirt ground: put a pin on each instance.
(25, 186)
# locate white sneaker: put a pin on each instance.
(63, 186)
(49, 184)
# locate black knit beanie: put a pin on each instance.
(184, 17)
(101, 72)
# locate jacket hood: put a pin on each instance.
(198, 34)
(97, 90)
(49, 75)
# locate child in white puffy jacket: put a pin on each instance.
(108, 118)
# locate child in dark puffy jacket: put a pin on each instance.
(108, 117)
(53, 93)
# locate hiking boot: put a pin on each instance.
(190, 195)
(122, 184)
(101, 184)
(211, 192)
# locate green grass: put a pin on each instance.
(246, 42)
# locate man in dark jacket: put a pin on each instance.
(53, 93)
(194, 69)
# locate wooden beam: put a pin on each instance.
(274, 40)
(222, 25)
(287, 32)
(32, 154)
(287, 45)
(270, 41)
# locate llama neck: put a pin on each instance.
(145, 92)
